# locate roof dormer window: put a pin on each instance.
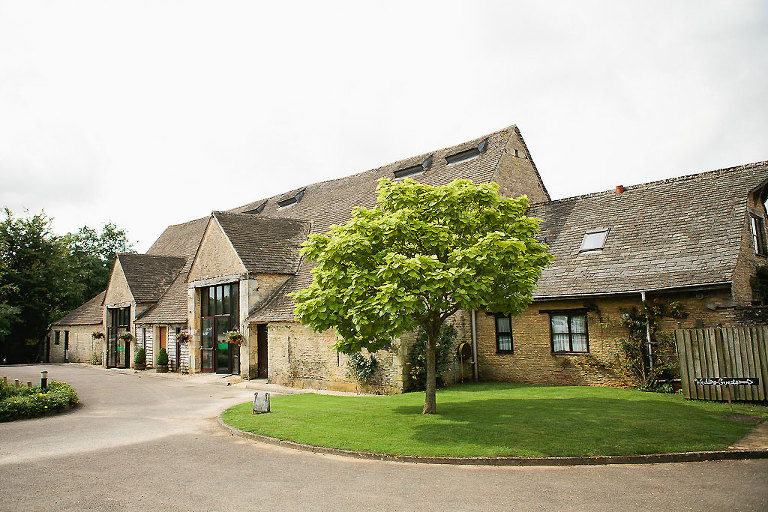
(258, 209)
(757, 226)
(467, 153)
(414, 169)
(293, 199)
(594, 240)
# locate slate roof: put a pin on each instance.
(675, 233)
(181, 240)
(90, 313)
(172, 306)
(331, 202)
(265, 245)
(149, 275)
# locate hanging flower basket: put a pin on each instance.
(183, 337)
(97, 335)
(235, 338)
(126, 336)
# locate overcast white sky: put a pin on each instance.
(149, 113)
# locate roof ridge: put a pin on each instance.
(185, 223)
(260, 217)
(143, 255)
(684, 177)
(511, 128)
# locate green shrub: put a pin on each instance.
(445, 348)
(360, 367)
(140, 357)
(633, 355)
(162, 357)
(30, 402)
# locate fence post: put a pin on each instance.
(720, 350)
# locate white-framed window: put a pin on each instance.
(569, 333)
(504, 334)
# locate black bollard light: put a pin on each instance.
(44, 379)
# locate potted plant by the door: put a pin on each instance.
(140, 361)
(162, 361)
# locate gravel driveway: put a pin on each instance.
(142, 442)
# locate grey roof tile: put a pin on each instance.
(331, 202)
(180, 240)
(148, 275)
(90, 313)
(673, 233)
(264, 244)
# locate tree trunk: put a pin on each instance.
(430, 400)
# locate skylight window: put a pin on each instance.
(414, 169)
(258, 209)
(467, 153)
(594, 240)
(292, 199)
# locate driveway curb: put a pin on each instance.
(653, 458)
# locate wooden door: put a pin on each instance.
(163, 339)
(262, 351)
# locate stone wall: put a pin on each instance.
(534, 362)
(118, 290)
(302, 358)
(516, 173)
(81, 344)
(748, 261)
(215, 257)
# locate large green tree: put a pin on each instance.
(43, 276)
(33, 277)
(91, 255)
(420, 256)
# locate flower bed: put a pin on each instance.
(30, 402)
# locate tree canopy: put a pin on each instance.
(44, 276)
(420, 256)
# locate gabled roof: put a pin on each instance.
(172, 306)
(265, 245)
(331, 202)
(676, 233)
(148, 275)
(90, 313)
(279, 307)
(180, 240)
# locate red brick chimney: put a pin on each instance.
(619, 189)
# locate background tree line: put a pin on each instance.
(43, 276)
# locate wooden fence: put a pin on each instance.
(725, 352)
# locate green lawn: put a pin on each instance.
(496, 419)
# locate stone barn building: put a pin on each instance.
(697, 240)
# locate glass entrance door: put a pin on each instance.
(111, 347)
(118, 351)
(218, 314)
(223, 352)
(206, 349)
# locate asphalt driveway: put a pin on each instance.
(140, 442)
